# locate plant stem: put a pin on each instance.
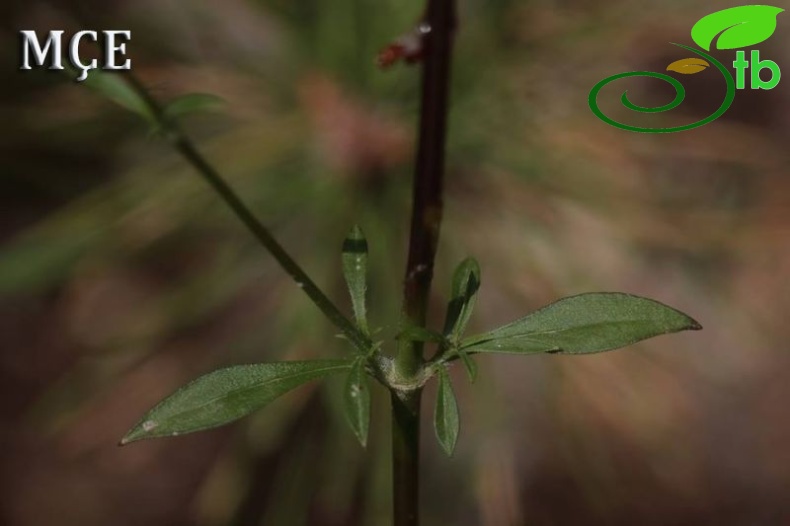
(406, 457)
(429, 174)
(184, 145)
(424, 236)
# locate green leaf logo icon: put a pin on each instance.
(739, 27)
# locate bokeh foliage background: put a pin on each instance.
(122, 276)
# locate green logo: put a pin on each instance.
(737, 27)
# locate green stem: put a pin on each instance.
(406, 457)
(423, 239)
(186, 148)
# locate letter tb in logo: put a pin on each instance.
(756, 65)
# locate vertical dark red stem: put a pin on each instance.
(429, 170)
(425, 225)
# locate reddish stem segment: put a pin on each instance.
(424, 236)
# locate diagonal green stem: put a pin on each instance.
(184, 145)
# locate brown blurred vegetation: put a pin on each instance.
(122, 276)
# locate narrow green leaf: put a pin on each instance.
(445, 416)
(226, 395)
(193, 103)
(585, 323)
(357, 401)
(469, 365)
(355, 267)
(466, 282)
(115, 88)
(740, 27)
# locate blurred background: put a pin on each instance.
(122, 276)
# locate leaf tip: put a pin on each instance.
(355, 241)
(690, 323)
(139, 432)
(363, 441)
(356, 233)
(129, 438)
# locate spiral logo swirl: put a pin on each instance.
(680, 95)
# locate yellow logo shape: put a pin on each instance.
(687, 66)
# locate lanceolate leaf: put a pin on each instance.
(226, 395)
(740, 27)
(466, 282)
(445, 416)
(585, 323)
(355, 265)
(356, 399)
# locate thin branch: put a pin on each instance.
(187, 149)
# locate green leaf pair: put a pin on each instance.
(463, 296)
(116, 88)
(225, 395)
(587, 323)
(228, 394)
(466, 283)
